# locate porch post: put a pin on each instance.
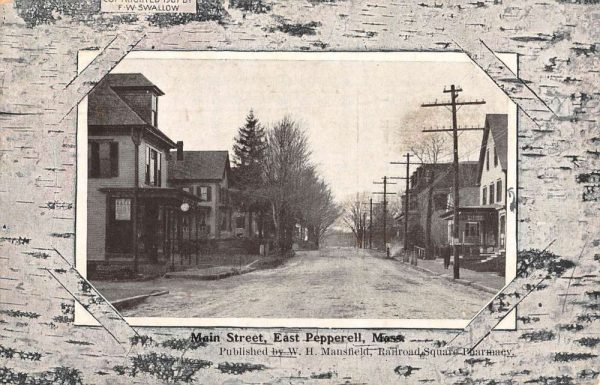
(189, 251)
(172, 232)
(179, 237)
(136, 138)
(196, 243)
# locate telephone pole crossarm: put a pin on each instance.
(451, 130)
(453, 91)
(450, 104)
(385, 194)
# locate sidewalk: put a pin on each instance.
(126, 298)
(485, 281)
(211, 273)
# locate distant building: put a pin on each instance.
(439, 178)
(206, 174)
(133, 217)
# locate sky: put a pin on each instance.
(360, 112)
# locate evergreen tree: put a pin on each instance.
(248, 155)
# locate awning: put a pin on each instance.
(168, 195)
(470, 210)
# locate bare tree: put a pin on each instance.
(287, 157)
(319, 210)
(429, 149)
(355, 218)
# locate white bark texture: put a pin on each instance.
(557, 338)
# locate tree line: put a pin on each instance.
(277, 183)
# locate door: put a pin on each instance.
(151, 232)
(119, 228)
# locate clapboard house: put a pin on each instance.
(431, 188)
(206, 175)
(134, 219)
(482, 226)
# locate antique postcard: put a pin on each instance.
(304, 192)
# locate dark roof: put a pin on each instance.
(467, 171)
(497, 124)
(131, 80)
(199, 165)
(106, 108)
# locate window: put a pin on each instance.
(223, 221)
(154, 116)
(492, 194)
(204, 192)
(495, 157)
(472, 229)
(413, 204)
(440, 201)
(499, 192)
(484, 196)
(223, 195)
(502, 231)
(487, 159)
(103, 159)
(240, 222)
(153, 167)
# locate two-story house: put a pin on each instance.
(133, 218)
(435, 181)
(483, 224)
(206, 175)
(492, 178)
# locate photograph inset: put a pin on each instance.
(309, 189)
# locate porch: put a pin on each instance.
(478, 230)
(149, 230)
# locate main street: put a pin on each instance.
(330, 283)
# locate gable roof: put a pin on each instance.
(497, 124)
(443, 175)
(199, 165)
(107, 109)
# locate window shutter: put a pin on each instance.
(208, 194)
(94, 166)
(147, 178)
(159, 171)
(114, 158)
(499, 192)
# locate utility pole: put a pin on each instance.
(454, 91)
(370, 223)
(406, 195)
(361, 230)
(364, 235)
(385, 193)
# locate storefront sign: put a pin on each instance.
(122, 209)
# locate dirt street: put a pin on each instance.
(330, 283)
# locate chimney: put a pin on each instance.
(179, 150)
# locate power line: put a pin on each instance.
(454, 91)
(385, 194)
